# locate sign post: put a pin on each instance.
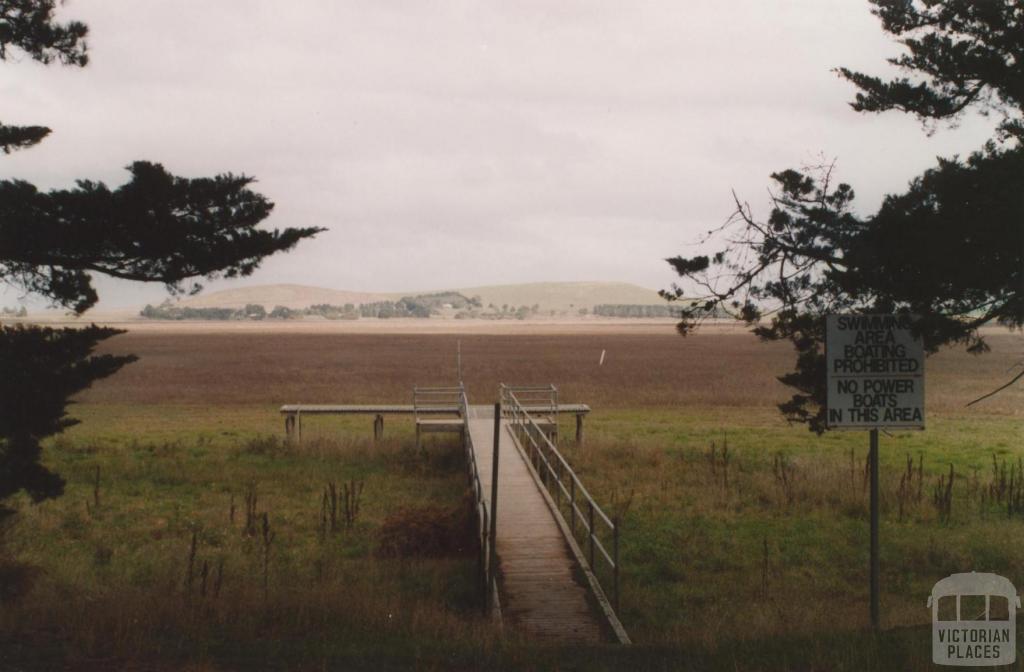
(874, 379)
(875, 564)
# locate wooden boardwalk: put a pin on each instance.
(540, 593)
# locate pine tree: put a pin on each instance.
(155, 228)
(950, 249)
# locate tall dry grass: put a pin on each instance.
(722, 542)
(187, 553)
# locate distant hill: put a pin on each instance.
(547, 295)
(564, 295)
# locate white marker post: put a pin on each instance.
(874, 379)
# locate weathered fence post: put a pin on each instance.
(378, 427)
(579, 428)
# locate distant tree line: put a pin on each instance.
(406, 307)
(422, 306)
(647, 310)
(494, 312)
(636, 310)
(446, 300)
(410, 307)
(169, 311)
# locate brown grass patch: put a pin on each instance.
(427, 532)
(721, 369)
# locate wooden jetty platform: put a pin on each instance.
(545, 584)
(293, 414)
(538, 589)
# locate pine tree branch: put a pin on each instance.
(19, 137)
(998, 389)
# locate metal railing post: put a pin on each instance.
(615, 555)
(572, 504)
(485, 565)
(540, 460)
(590, 521)
(494, 496)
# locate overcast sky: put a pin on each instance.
(451, 144)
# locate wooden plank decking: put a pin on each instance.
(409, 409)
(293, 412)
(539, 589)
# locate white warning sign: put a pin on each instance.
(875, 372)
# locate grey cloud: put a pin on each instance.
(464, 143)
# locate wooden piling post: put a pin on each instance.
(378, 427)
(579, 429)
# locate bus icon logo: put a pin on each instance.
(974, 620)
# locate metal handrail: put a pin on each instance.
(561, 480)
(484, 564)
(437, 399)
(539, 399)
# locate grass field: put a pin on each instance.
(744, 539)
